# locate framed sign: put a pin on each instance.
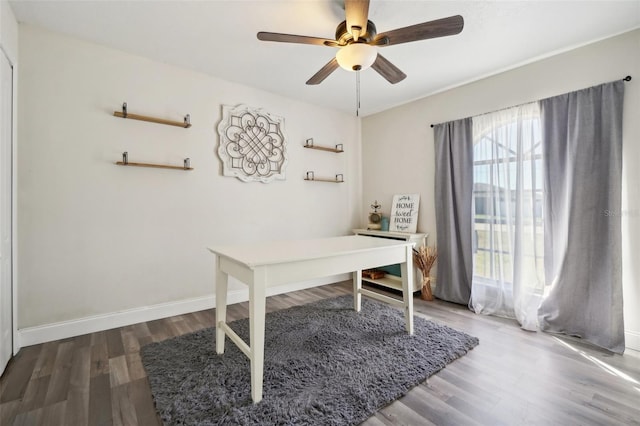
(404, 213)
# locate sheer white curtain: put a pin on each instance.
(508, 271)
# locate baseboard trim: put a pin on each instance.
(632, 340)
(65, 329)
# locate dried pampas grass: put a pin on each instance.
(424, 258)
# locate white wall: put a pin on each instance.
(8, 31)
(96, 239)
(398, 154)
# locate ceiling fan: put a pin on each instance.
(357, 39)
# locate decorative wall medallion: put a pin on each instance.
(252, 144)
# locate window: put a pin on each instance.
(508, 239)
(502, 164)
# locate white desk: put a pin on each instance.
(270, 264)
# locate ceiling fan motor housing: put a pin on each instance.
(344, 37)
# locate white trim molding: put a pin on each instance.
(632, 340)
(77, 327)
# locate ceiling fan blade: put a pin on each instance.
(432, 29)
(390, 72)
(324, 72)
(357, 14)
(291, 38)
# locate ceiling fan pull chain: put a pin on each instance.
(357, 93)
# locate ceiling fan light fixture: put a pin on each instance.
(356, 56)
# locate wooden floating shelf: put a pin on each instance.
(325, 148)
(152, 119)
(310, 176)
(325, 180)
(157, 166)
(309, 144)
(124, 114)
(125, 162)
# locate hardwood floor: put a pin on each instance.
(513, 377)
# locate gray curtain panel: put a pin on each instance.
(453, 198)
(582, 142)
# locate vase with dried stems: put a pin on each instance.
(424, 258)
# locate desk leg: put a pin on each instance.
(257, 312)
(406, 270)
(221, 306)
(357, 285)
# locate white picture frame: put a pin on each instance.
(404, 213)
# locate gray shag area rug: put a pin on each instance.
(325, 364)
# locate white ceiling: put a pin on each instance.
(218, 37)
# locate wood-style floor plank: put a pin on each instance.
(61, 374)
(16, 377)
(8, 412)
(99, 359)
(35, 394)
(100, 401)
(122, 409)
(143, 403)
(46, 360)
(513, 377)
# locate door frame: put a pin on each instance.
(14, 191)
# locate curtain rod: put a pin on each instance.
(627, 78)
